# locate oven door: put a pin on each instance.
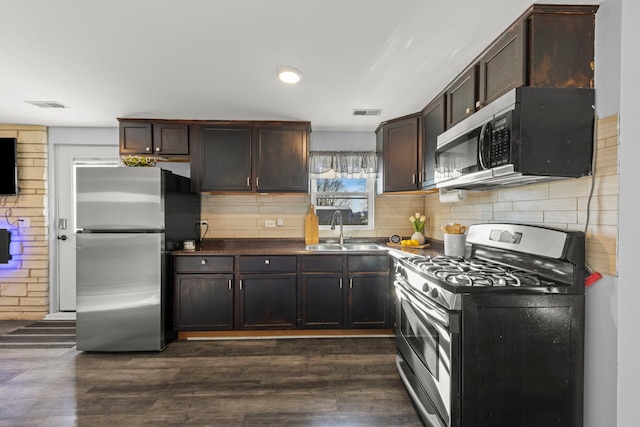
(427, 338)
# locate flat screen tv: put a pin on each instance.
(8, 167)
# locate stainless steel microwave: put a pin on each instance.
(530, 134)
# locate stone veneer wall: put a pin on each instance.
(561, 204)
(243, 216)
(24, 281)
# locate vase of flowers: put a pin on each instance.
(418, 225)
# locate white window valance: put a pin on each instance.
(343, 164)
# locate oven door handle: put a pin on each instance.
(433, 313)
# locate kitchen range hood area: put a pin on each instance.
(192, 245)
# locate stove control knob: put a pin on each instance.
(425, 287)
(434, 293)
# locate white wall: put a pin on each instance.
(601, 323)
(343, 141)
(83, 136)
(629, 235)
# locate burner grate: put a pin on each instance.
(460, 271)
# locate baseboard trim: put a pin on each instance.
(61, 315)
(283, 334)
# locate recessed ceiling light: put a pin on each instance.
(289, 75)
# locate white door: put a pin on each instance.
(65, 158)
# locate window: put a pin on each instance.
(354, 197)
(344, 181)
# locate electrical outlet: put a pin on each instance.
(269, 223)
(279, 222)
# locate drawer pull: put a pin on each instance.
(266, 261)
(203, 261)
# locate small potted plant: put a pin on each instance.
(418, 225)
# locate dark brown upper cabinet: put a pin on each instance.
(502, 66)
(461, 95)
(398, 143)
(282, 158)
(250, 157)
(144, 137)
(221, 158)
(171, 138)
(433, 123)
(548, 46)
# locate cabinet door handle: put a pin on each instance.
(240, 284)
(340, 283)
(248, 181)
(157, 148)
(229, 284)
(257, 181)
(413, 177)
(147, 148)
(350, 283)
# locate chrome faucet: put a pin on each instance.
(337, 214)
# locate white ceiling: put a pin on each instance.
(215, 59)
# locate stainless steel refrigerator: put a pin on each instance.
(128, 220)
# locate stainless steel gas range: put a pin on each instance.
(495, 338)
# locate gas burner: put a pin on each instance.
(465, 279)
(473, 272)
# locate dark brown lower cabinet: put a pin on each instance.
(204, 302)
(267, 301)
(368, 300)
(321, 301)
(281, 292)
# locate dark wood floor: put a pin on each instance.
(260, 382)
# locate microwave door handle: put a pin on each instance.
(486, 129)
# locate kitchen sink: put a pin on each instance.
(361, 247)
(344, 247)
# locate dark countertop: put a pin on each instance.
(289, 247)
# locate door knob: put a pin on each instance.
(63, 237)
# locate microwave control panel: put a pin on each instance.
(500, 144)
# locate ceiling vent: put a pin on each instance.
(47, 104)
(367, 112)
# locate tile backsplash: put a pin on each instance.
(244, 216)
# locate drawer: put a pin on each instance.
(203, 264)
(321, 263)
(368, 263)
(265, 263)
